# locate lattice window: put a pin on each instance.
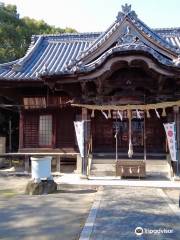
(45, 130)
(30, 130)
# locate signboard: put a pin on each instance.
(171, 138)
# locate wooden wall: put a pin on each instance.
(63, 128)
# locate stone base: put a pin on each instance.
(2, 164)
(43, 187)
(82, 176)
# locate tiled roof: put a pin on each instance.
(171, 35)
(52, 54)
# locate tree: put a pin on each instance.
(15, 32)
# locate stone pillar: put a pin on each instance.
(58, 164)
(2, 149)
(26, 164)
(78, 164)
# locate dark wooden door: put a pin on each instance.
(102, 134)
(65, 135)
(155, 135)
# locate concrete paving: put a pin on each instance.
(75, 179)
(122, 209)
(117, 209)
(59, 216)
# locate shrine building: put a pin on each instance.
(124, 83)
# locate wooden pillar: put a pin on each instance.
(144, 138)
(177, 122)
(26, 164)
(21, 130)
(10, 135)
(54, 130)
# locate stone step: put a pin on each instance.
(103, 167)
(157, 166)
(112, 155)
(107, 167)
(103, 161)
(148, 162)
(155, 175)
(156, 162)
(102, 173)
(157, 170)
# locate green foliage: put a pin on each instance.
(15, 32)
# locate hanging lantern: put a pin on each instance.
(164, 113)
(147, 113)
(92, 113)
(109, 113)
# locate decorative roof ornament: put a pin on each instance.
(126, 10)
(128, 38)
(177, 61)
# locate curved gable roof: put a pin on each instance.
(59, 54)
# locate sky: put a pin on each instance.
(98, 15)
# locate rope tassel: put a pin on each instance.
(164, 113)
(148, 114)
(92, 113)
(109, 113)
(130, 150)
